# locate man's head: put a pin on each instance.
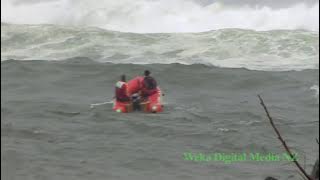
(147, 72)
(123, 78)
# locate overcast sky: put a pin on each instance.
(270, 3)
(284, 3)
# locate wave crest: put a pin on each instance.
(233, 48)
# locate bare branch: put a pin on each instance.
(301, 175)
(282, 141)
(315, 170)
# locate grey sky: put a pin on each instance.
(270, 3)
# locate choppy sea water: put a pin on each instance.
(49, 130)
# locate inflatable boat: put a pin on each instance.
(151, 104)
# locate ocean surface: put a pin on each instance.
(53, 69)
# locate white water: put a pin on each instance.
(150, 16)
(315, 88)
(232, 48)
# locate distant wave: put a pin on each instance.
(232, 48)
(158, 16)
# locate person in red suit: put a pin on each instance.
(148, 85)
(121, 90)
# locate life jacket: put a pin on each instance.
(149, 83)
(149, 86)
(121, 91)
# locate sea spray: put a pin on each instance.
(159, 16)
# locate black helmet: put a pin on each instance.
(123, 78)
(147, 72)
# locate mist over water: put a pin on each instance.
(146, 16)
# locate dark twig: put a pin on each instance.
(301, 175)
(282, 141)
(315, 170)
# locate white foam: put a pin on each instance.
(315, 88)
(146, 16)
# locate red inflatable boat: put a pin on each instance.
(152, 104)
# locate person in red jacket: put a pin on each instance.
(121, 90)
(149, 85)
